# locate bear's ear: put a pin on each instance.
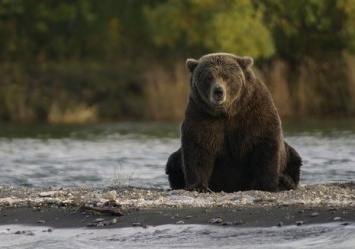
(191, 64)
(245, 62)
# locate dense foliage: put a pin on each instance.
(99, 60)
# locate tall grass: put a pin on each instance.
(350, 72)
(79, 92)
(166, 92)
(313, 88)
(276, 79)
(81, 113)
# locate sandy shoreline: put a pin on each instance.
(64, 217)
(70, 208)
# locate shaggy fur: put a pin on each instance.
(231, 137)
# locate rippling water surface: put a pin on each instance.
(183, 236)
(136, 153)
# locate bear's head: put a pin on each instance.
(217, 80)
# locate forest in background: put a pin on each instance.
(91, 61)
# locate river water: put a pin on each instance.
(135, 154)
(182, 236)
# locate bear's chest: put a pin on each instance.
(236, 143)
(225, 142)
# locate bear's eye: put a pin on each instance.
(209, 77)
(225, 77)
(206, 76)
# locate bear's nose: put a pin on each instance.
(218, 92)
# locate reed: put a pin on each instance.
(166, 92)
(350, 72)
(81, 113)
(276, 79)
(79, 92)
(306, 98)
(323, 88)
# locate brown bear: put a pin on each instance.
(231, 136)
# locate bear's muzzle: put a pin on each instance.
(218, 94)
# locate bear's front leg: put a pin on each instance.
(265, 164)
(197, 166)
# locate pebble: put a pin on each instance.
(238, 222)
(314, 214)
(180, 222)
(215, 220)
(29, 233)
(332, 209)
(53, 200)
(7, 201)
(48, 194)
(244, 198)
(227, 223)
(91, 225)
(37, 209)
(338, 219)
(99, 222)
(300, 223)
(173, 216)
(138, 224)
(111, 195)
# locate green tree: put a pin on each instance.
(233, 26)
(33, 30)
(347, 8)
(313, 28)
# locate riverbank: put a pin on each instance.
(258, 216)
(129, 207)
